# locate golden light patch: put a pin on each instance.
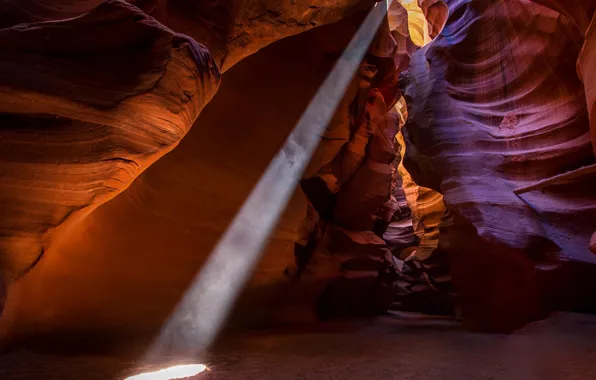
(171, 373)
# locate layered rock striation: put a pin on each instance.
(359, 218)
(87, 104)
(496, 105)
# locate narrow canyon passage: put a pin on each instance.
(443, 227)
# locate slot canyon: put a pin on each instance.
(298, 189)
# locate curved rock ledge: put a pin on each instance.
(87, 104)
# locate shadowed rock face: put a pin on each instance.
(582, 14)
(585, 61)
(232, 29)
(436, 13)
(360, 217)
(578, 12)
(496, 104)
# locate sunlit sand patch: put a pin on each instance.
(176, 372)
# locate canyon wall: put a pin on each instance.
(359, 224)
(109, 74)
(95, 93)
(231, 29)
(122, 269)
(496, 104)
(87, 104)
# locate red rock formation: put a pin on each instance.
(349, 181)
(87, 104)
(585, 64)
(101, 67)
(436, 13)
(232, 30)
(583, 16)
(427, 210)
(396, 227)
(122, 269)
(579, 12)
(235, 29)
(496, 104)
(355, 187)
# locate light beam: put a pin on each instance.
(198, 318)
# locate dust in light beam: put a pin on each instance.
(197, 319)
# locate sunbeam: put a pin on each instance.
(198, 318)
